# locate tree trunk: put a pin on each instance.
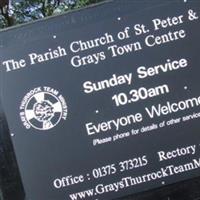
(9, 19)
(4, 3)
(5, 14)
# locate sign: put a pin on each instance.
(104, 102)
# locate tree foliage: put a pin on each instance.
(12, 12)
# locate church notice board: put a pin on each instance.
(104, 102)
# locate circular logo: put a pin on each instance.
(43, 108)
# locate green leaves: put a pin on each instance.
(29, 10)
(83, 3)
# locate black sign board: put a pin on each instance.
(104, 102)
